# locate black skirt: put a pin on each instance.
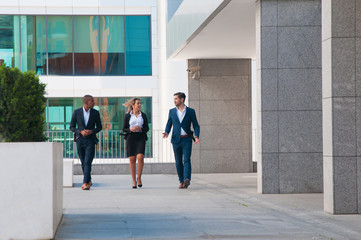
(135, 144)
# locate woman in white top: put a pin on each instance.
(136, 128)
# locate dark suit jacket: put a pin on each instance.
(145, 127)
(77, 123)
(189, 118)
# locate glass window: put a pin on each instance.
(112, 144)
(78, 103)
(28, 48)
(86, 45)
(60, 45)
(112, 45)
(103, 45)
(59, 112)
(9, 41)
(41, 45)
(58, 117)
(111, 111)
(138, 45)
(17, 47)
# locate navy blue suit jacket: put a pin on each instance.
(189, 118)
(94, 123)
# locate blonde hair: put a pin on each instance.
(130, 104)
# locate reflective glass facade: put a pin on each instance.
(9, 41)
(77, 45)
(138, 45)
(60, 45)
(86, 45)
(112, 57)
(27, 41)
(41, 46)
(58, 116)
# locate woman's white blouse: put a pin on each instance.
(136, 120)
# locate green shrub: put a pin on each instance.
(22, 106)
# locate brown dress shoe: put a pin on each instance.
(85, 186)
(187, 183)
(181, 185)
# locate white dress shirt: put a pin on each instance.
(136, 120)
(181, 117)
(86, 115)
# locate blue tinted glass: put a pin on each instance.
(112, 45)
(59, 113)
(40, 44)
(60, 45)
(173, 6)
(86, 45)
(9, 41)
(27, 41)
(138, 45)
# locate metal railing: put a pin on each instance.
(112, 147)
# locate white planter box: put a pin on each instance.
(31, 188)
(68, 172)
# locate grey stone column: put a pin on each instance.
(290, 96)
(222, 100)
(341, 86)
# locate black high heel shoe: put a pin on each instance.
(135, 185)
(140, 185)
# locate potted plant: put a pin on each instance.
(31, 169)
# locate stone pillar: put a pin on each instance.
(341, 75)
(222, 100)
(289, 89)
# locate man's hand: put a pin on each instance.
(86, 132)
(197, 140)
(165, 135)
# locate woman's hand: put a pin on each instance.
(135, 129)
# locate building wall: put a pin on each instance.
(290, 96)
(222, 100)
(341, 65)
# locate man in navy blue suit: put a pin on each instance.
(181, 117)
(85, 124)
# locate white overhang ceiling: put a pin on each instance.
(230, 34)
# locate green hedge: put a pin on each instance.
(22, 106)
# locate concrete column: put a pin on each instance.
(290, 89)
(222, 100)
(341, 92)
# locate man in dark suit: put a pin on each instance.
(85, 124)
(181, 117)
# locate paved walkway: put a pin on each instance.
(216, 206)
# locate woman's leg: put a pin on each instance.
(132, 169)
(140, 158)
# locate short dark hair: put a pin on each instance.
(180, 95)
(86, 98)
